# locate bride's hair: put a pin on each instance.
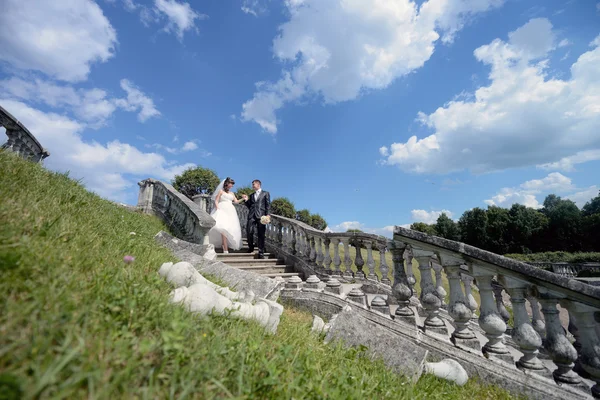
(225, 184)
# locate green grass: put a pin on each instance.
(77, 322)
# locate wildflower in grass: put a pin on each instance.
(128, 259)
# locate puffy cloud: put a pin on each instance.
(62, 39)
(93, 106)
(428, 217)
(583, 196)
(109, 169)
(338, 49)
(254, 7)
(523, 118)
(189, 146)
(568, 163)
(180, 16)
(527, 192)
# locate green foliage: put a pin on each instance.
(354, 231)
(77, 322)
(284, 207)
(304, 216)
(564, 224)
(591, 207)
(473, 227)
(447, 228)
(557, 256)
(196, 180)
(423, 227)
(247, 190)
(525, 231)
(318, 222)
(497, 229)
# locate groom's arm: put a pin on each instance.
(268, 203)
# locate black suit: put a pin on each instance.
(256, 209)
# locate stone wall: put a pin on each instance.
(20, 140)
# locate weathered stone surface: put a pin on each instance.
(400, 354)
(236, 279)
(448, 369)
(174, 244)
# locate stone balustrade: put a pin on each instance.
(527, 286)
(347, 256)
(569, 270)
(20, 140)
(185, 219)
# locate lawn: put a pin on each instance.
(77, 322)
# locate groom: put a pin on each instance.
(259, 205)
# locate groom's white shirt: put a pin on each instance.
(256, 194)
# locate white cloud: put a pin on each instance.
(61, 39)
(583, 196)
(564, 42)
(344, 226)
(428, 217)
(93, 106)
(526, 193)
(254, 7)
(523, 118)
(189, 146)
(568, 163)
(111, 170)
(336, 50)
(181, 17)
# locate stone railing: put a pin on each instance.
(185, 219)
(543, 331)
(20, 140)
(569, 270)
(347, 256)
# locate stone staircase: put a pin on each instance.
(270, 266)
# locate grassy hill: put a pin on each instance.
(77, 322)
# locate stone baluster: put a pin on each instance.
(300, 243)
(279, 234)
(359, 261)
(467, 281)
(589, 356)
(412, 281)
(497, 288)
(401, 290)
(313, 251)
(327, 259)
(293, 241)
(347, 259)
(458, 307)
(370, 270)
(489, 318)
(439, 288)
(561, 350)
(337, 261)
(319, 244)
(523, 333)
(429, 296)
(383, 267)
(536, 318)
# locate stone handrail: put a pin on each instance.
(523, 283)
(185, 219)
(20, 140)
(568, 269)
(309, 250)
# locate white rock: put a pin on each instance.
(210, 254)
(448, 369)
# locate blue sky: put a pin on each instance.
(371, 113)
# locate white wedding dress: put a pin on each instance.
(227, 223)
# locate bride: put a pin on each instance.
(227, 231)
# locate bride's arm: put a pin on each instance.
(235, 199)
(217, 200)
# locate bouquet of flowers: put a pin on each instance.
(265, 219)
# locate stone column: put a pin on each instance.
(347, 259)
(523, 333)
(458, 308)
(401, 291)
(383, 267)
(489, 318)
(589, 357)
(429, 296)
(557, 345)
(467, 282)
(359, 261)
(319, 259)
(370, 261)
(439, 288)
(327, 259)
(337, 261)
(497, 288)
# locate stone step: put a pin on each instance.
(235, 262)
(265, 269)
(282, 275)
(241, 254)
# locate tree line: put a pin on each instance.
(558, 226)
(199, 180)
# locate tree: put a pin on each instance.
(550, 202)
(564, 225)
(526, 230)
(247, 190)
(590, 226)
(447, 228)
(196, 180)
(304, 216)
(497, 229)
(473, 227)
(591, 207)
(318, 222)
(423, 227)
(282, 206)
